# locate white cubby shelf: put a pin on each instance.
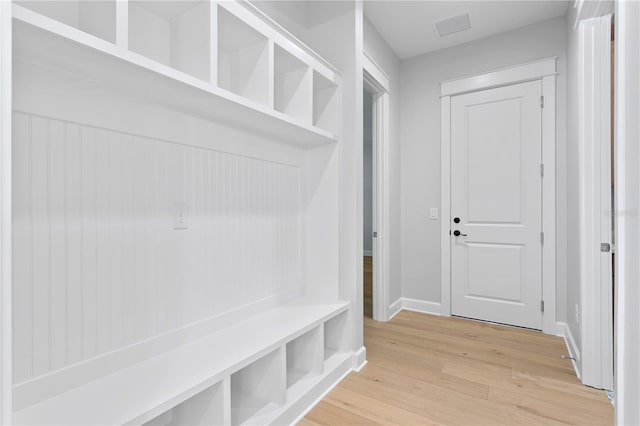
(214, 60)
(242, 374)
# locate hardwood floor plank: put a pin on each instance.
(424, 369)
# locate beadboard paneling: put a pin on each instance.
(98, 265)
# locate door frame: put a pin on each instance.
(377, 82)
(6, 350)
(545, 71)
(596, 319)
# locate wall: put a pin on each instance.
(380, 52)
(420, 163)
(367, 228)
(98, 266)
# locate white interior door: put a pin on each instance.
(496, 205)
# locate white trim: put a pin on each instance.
(395, 308)
(381, 208)
(376, 72)
(574, 352)
(422, 306)
(500, 77)
(6, 377)
(445, 206)
(595, 196)
(359, 359)
(545, 71)
(627, 231)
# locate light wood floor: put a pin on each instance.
(425, 369)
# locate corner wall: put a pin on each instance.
(420, 145)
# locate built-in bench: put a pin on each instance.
(266, 369)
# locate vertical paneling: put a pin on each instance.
(22, 251)
(41, 236)
(97, 263)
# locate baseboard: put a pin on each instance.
(423, 306)
(561, 328)
(359, 359)
(574, 352)
(367, 252)
(395, 308)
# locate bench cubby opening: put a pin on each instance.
(336, 334)
(258, 390)
(304, 356)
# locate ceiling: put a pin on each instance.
(409, 26)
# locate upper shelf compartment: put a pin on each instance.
(97, 18)
(172, 33)
(212, 60)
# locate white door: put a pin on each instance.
(496, 205)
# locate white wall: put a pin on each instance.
(97, 263)
(420, 163)
(380, 52)
(367, 152)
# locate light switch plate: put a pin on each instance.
(180, 216)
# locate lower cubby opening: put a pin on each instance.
(204, 408)
(258, 390)
(304, 357)
(336, 334)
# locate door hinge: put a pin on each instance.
(542, 306)
(375, 234)
(541, 101)
(541, 169)
(542, 238)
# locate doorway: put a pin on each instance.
(376, 122)
(496, 205)
(536, 83)
(368, 163)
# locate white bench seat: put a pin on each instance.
(145, 390)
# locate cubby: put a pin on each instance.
(243, 59)
(204, 408)
(292, 86)
(325, 103)
(97, 18)
(304, 357)
(336, 334)
(174, 33)
(258, 390)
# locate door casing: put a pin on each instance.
(545, 71)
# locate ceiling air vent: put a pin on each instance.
(453, 25)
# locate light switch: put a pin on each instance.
(434, 213)
(180, 216)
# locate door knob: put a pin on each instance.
(458, 233)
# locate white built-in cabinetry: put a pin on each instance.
(125, 112)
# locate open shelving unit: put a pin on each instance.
(176, 34)
(173, 66)
(198, 96)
